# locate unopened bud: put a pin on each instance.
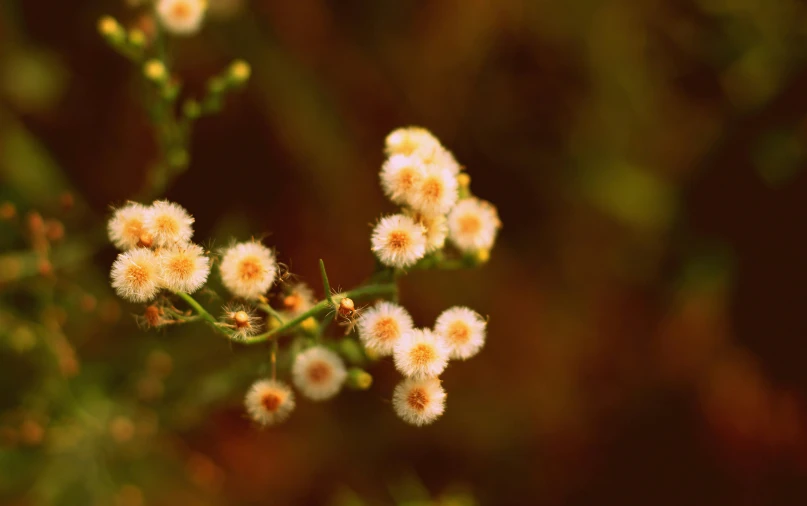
(239, 72)
(7, 211)
(359, 379)
(110, 29)
(351, 350)
(192, 109)
(137, 38)
(154, 70)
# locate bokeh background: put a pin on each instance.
(646, 296)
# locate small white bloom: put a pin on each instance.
(473, 225)
(435, 227)
(398, 241)
(183, 268)
(438, 156)
(136, 275)
(127, 226)
(405, 141)
(269, 402)
(169, 223)
(181, 17)
(381, 326)
(400, 174)
(436, 193)
(419, 401)
(463, 331)
(318, 373)
(420, 354)
(298, 300)
(248, 269)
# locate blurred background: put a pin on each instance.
(646, 342)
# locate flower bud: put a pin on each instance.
(111, 30)
(154, 70)
(192, 109)
(239, 72)
(358, 379)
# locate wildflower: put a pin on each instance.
(269, 402)
(248, 269)
(318, 373)
(420, 354)
(181, 17)
(136, 275)
(438, 156)
(126, 228)
(242, 320)
(436, 192)
(168, 223)
(382, 326)
(184, 268)
(298, 300)
(398, 241)
(473, 225)
(400, 174)
(463, 331)
(435, 227)
(419, 401)
(406, 141)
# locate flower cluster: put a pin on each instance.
(421, 355)
(157, 251)
(424, 178)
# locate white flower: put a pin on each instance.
(438, 156)
(463, 331)
(169, 223)
(181, 17)
(269, 402)
(400, 174)
(435, 227)
(136, 275)
(318, 373)
(473, 224)
(405, 141)
(398, 241)
(127, 226)
(298, 300)
(420, 354)
(381, 326)
(248, 269)
(183, 268)
(419, 401)
(436, 192)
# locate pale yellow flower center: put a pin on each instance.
(433, 189)
(386, 328)
(398, 240)
(417, 399)
(133, 228)
(319, 372)
(422, 354)
(250, 268)
(181, 266)
(458, 332)
(181, 11)
(470, 224)
(166, 224)
(271, 401)
(137, 275)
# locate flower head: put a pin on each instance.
(420, 354)
(127, 228)
(242, 321)
(419, 401)
(298, 300)
(136, 275)
(183, 268)
(169, 223)
(463, 331)
(405, 141)
(438, 156)
(473, 225)
(318, 373)
(436, 192)
(435, 227)
(181, 17)
(248, 269)
(398, 241)
(269, 402)
(400, 175)
(382, 326)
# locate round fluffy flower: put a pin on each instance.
(181, 17)
(184, 268)
(126, 228)
(382, 326)
(439, 156)
(398, 241)
(473, 224)
(169, 223)
(269, 402)
(435, 227)
(318, 373)
(420, 354)
(400, 174)
(298, 300)
(248, 269)
(419, 401)
(405, 141)
(435, 193)
(463, 331)
(136, 275)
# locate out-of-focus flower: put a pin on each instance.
(419, 401)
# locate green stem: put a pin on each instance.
(209, 318)
(325, 284)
